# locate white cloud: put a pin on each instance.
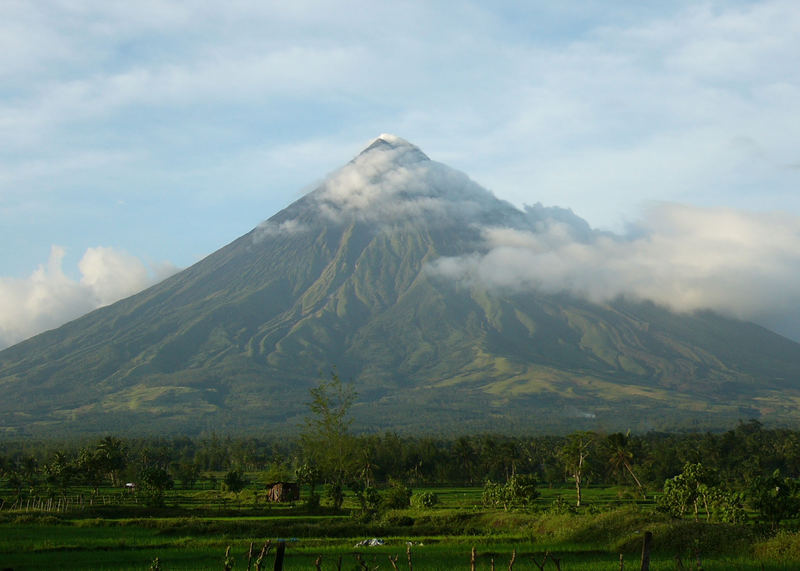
(48, 297)
(740, 264)
(394, 180)
(270, 228)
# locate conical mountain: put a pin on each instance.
(351, 276)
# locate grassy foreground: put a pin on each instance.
(191, 535)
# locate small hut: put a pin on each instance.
(283, 492)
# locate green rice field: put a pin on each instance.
(194, 529)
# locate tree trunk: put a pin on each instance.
(635, 479)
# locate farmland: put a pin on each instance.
(193, 529)
(581, 501)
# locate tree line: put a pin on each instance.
(697, 471)
(641, 461)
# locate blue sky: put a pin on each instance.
(139, 137)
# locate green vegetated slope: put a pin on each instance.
(235, 341)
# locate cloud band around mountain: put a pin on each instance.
(744, 265)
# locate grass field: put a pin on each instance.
(194, 529)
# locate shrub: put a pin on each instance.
(561, 506)
(518, 492)
(234, 481)
(369, 501)
(395, 519)
(775, 498)
(155, 481)
(785, 546)
(335, 494)
(397, 496)
(424, 500)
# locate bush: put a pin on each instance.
(369, 501)
(518, 492)
(785, 546)
(335, 494)
(561, 506)
(397, 496)
(155, 481)
(234, 481)
(424, 500)
(775, 498)
(395, 519)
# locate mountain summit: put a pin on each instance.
(387, 142)
(373, 273)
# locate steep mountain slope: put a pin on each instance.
(348, 277)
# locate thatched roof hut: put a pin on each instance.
(283, 492)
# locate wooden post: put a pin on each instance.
(263, 554)
(279, 556)
(228, 562)
(648, 540)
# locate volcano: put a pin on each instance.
(356, 277)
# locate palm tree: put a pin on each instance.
(111, 457)
(367, 466)
(59, 472)
(620, 456)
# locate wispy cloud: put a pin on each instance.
(48, 297)
(741, 264)
(270, 228)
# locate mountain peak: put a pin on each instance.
(392, 140)
(392, 179)
(402, 150)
